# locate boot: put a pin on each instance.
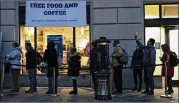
(75, 91)
(134, 89)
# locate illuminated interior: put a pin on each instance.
(170, 11)
(81, 35)
(151, 11)
(155, 32)
(173, 35)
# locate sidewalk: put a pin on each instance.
(84, 96)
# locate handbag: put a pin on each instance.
(44, 67)
(59, 60)
(7, 64)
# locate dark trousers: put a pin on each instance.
(51, 84)
(94, 81)
(118, 78)
(74, 84)
(148, 78)
(15, 77)
(137, 74)
(32, 78)
(169, 83)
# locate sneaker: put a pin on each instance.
(73, 92)
(170, 92)
(139, 90)
(48, 93)
(29, 91)
(14, 90)
(93, 92)
(150, 93)
(145, 92)
(35, 90)
(134, 89)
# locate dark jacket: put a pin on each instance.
(137, 58)
(74, 64)
(149, 55)
(93, 60)
(50, 57)
(170, 68)
(31, 59)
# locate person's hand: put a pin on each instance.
(135, 36)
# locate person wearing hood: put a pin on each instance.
(15, 58)
(170, 68)
(74, 66)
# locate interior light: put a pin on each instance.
(30, 31)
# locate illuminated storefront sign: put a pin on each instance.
(55, 13)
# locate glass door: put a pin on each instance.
(173, 41)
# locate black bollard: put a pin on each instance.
(103, 86)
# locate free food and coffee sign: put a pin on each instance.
(55, 13)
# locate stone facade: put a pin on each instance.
(117, 19)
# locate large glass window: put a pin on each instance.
(27, 35)
(82, 43)
(151, 11)
(170, 11)
(155, 33)
(81, 38)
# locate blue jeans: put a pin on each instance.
(51, 84)
(32, 78)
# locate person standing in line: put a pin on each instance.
(74, 66)
(51, 58)
(31, 63)
(170, 68)
(149, 58)
(117, 66)
(137, 71)
(93, 63)
(15, 58)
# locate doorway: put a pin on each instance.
(173, 42)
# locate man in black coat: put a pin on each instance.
(32, 60)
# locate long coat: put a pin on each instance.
(74, 63)
(170, 69)
(51, 57)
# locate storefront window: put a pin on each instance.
(81, 36)
(151, 11)
(155, 33)
(27, 35)
(170, 11)
(82, 43)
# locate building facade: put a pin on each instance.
(117, 19)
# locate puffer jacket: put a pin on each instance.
(74, 64)
(15, 57)
(137, 58)
(170, 69)
(149, 55)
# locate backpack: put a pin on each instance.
(174, 59)
(124, 57)
(38, 58)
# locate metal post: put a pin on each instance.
(54, 86)
(166, 95)
(1, 78)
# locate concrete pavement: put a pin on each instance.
(84, 96)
